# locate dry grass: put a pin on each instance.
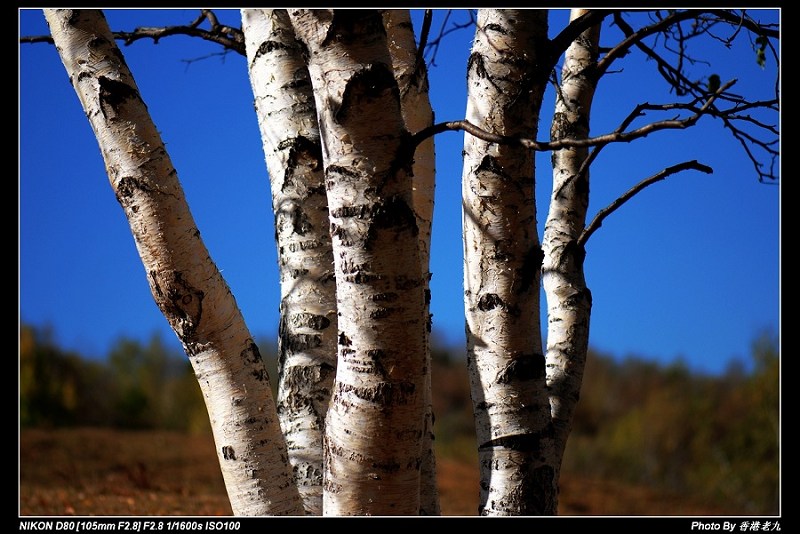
(101, 472)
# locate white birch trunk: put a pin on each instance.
(569, 300)
(412, 80)
(375, 422)
(287, 120)
(186, 284)
(502, 261)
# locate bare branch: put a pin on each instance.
(228, 37)
(443, 31)
(221, 55)
(632, 38)
(28, 39)
(574, 29)
(748, 23)
(702, 23)
(423, 37)
(729, 118)
(542, 146)
(597, 222)
(670, 27)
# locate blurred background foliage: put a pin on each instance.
(715, 437)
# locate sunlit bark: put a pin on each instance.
(287, 120)
(375, 422)
(185, 282)
(502, 261)
(569, 301)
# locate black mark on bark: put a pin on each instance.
(308, 244)
(354, 26)
(269, 46)
(251, 354)
(299, 342)
(483, 406)
(113, 94)
(310, 320)
(301, 224)
(395, 214)
(386, 394)
(491, 301)
(524, 367)
(366, 87)
(381, 313)
(336, 173)
(475, 61)
(495, 27)
(520, 442)
(127, 186)
(228, 453)
(358, 211)
(531, 267)
(297, 273)
(181, 303)
(302, 150)
(261, 374)
(491, 165)
(344, 340)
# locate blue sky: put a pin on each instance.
(689, 269)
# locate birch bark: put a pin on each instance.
(502, 261)
(569, 300)
(287, 120)
(411, 74)
(185, 282)
(375, 422)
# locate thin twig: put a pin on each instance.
(423, 38)
(597, 222)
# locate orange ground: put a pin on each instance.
(101, 472)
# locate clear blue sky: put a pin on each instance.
(689, 269)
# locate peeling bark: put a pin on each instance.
(502, 261)
(185, 282)
(287, 120)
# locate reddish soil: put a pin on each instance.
(101, 472)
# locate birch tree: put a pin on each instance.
(375, 422)
(502, 259)
(412, 81)
(347, 132)
(287, 118)
(569, 300)
(184, 281)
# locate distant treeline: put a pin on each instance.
(716, 437)
(136, 386)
